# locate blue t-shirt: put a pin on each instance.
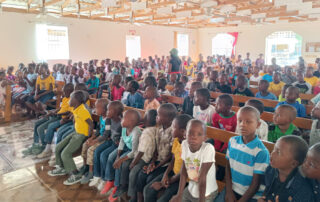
(136, 100)
(246, 160)
(94, 83)
(270, 96)
(102, 123)
(301, 110)
(267, 77)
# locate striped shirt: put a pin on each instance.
(246, 160)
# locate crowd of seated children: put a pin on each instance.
(288, 77)
(264, 91)
(282, 123)
(276, 85)
(304, 87)
(202, 109)
(292, 94)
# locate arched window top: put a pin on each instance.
(285, 46)
(222, 44)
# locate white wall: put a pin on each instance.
(88, 39)
(253, 38)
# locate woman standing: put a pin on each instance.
(174, 63)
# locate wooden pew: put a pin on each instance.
(8, 110)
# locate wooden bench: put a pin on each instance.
(7, 107)
(266, 116)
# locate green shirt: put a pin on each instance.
(275, 132)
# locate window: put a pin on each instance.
(222, 44)
(284, 46)
(183, 44)
(52, 42)
(133, 47)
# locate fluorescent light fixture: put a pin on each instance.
(213, 20)
(184, 14)
(139, 6)
(164, 10)
(109, 3)
(229, 8)
(258, 15)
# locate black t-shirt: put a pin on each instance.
(187, 106)
(316, 73)
(175, 62)
(246, 92)
(224, 89)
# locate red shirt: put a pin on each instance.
(116, 93)
(224, 123)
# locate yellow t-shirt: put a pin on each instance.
(276, 88)
(45, 83)
(176, 151)
(282, 99)
(313, 80)
(64, 106)
(188, 69)
(80, 115)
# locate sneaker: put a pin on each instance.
(107, 187)
(120, 190)
(94, 182)
(28, 151)
(37, 149)
(101, 185)
(52, 162)
(84, 169)
(73, 179)
(86, 178)
(44, 154)
(57, 172)
(110, 198)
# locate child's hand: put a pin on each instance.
(151, 168)
(117, 164)
(165, 181)
(230, 197)
(145, 169)
(176, 198)
(157, 186)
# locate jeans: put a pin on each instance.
(150, 194)
(104, 159)
(44, 126)
(97, 171)
(144, 178)
(111, 173)
(101, 88)
(221, 197)
(51, 129)
(36, 136)
(62, 130)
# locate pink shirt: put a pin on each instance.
(116, 93)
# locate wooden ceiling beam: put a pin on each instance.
(66, 3)
(161, 4)
(282, 14)
(51, 2)
(186, 9)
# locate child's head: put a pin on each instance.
(239, 71)
(173, 78)
(196, 134)
(256, 70)
(315, 113)
(44, 69)
(10, 70)
(292, 93)
(101, 106)
(300, 76)
(309, 73)
(179, 126)
(184, 79)
(162, 84)
(127, 80)
(200, 77)
(67, 69)
(150, 118)
(31, 68)
(74, 70)
(62, 69)
(150, 93)
(248, 120)
(131, 118)
(213, 75)
(178, 88)
(2, 75)
(270, 69)
(133, 86)
(241, 82)
(77, 98)
(116, 80)
(224, 104)
(276, 77)
(311, 165)
(91, 73)
(284, 115)
(202, 97)
(81, 73)
(68, 89)
(288, 71)
(223, 79)
(166, 113)
(263, 85)
(150, 81)
(288, 153)
(81, 86)
(194, 86)
(115, 109)
(256, 104)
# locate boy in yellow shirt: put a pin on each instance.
(313, 80)
(83, 129)
(276, 85)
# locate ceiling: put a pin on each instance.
(177, 13)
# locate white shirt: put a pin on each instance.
(204, 115)
(257, 79)
(193, 162)
(60, 77)
(262, 131)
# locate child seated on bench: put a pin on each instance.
(263, 91)
(202, 109)
(223, 86)
(116, 91)
(311, 169)
(150, 96)
(241, 87)
(304, 87)
(179, 90)
(247, 159)
(283, 180)
(314, 135)
(169, 181)
(292, 94)
(198, 166)
(282, 123)
(187, 106)
(276, 85)
(134, 99)
(92, 83)
(83, 128)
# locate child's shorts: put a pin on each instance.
(43, 99)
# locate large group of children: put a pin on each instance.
(166, 155)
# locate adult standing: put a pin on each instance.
(174, 63)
